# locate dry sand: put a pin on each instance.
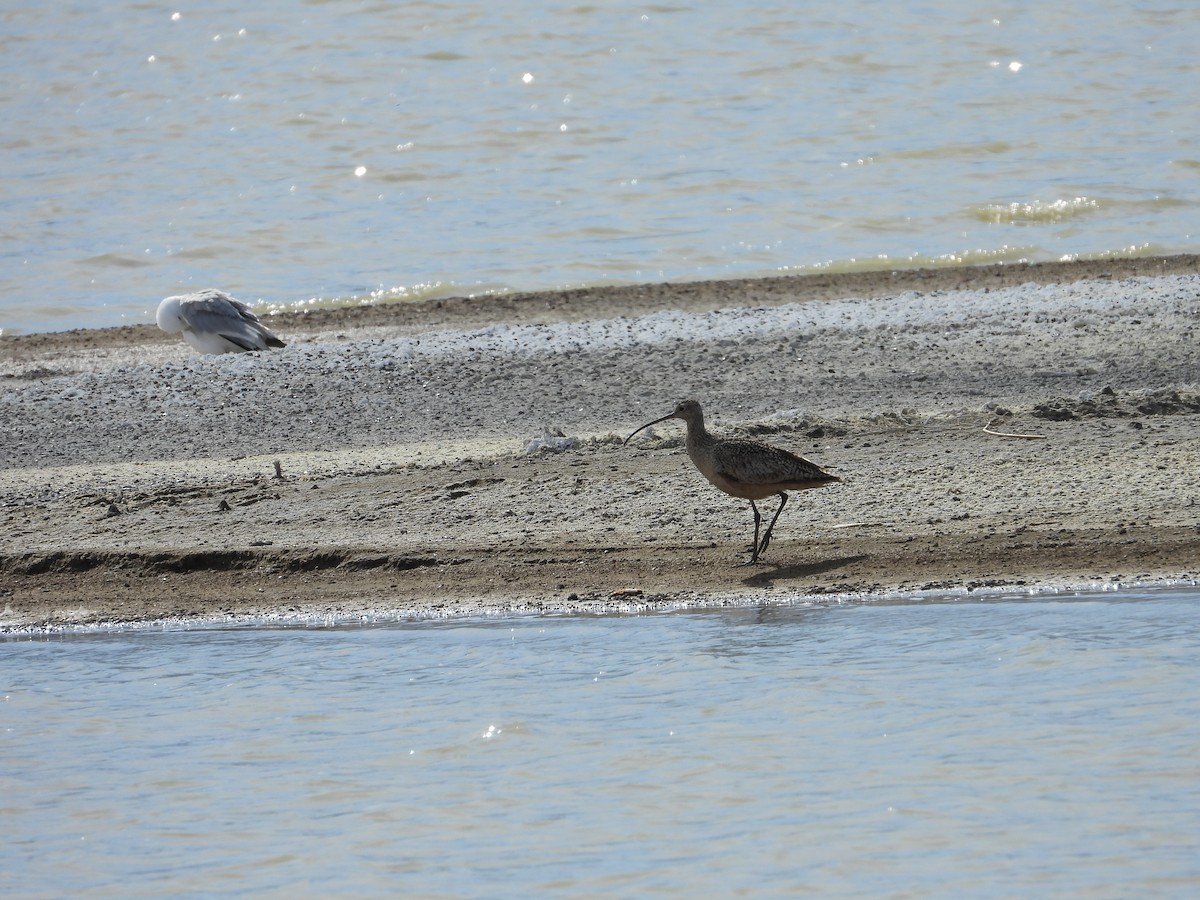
(139, 480)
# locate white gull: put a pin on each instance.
(213, 322)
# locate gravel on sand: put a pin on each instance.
(995, 427)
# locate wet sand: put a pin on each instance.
(139, 480)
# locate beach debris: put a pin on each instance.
(625, 593)
(744, 468)
(213, 322)
(278, 470)
(224, 506)
(990, 429)
(553, 440)
(462, 488)
(113, 510)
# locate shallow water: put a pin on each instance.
(1043, 745)
(288, 151)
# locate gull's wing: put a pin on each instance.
(215, 313)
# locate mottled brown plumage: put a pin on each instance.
(745, 468)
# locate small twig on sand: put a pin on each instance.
(1008, 434)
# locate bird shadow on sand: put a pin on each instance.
(804, 570)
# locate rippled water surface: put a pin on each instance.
(331, 149)
(1009, 747)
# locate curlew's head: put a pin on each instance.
(688, 410)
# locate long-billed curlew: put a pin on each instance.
(744, 468)
(213, 322)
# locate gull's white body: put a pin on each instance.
(213, 322)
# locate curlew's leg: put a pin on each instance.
(766, 541)
(754, 547)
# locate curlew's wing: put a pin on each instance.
(755, 463)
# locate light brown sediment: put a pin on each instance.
(429, 514)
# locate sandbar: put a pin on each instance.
(997, 428)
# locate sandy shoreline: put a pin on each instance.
(138, 479)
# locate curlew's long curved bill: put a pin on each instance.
(647, 425)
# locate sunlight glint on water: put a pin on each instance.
(286, 152)
(1013, 746)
